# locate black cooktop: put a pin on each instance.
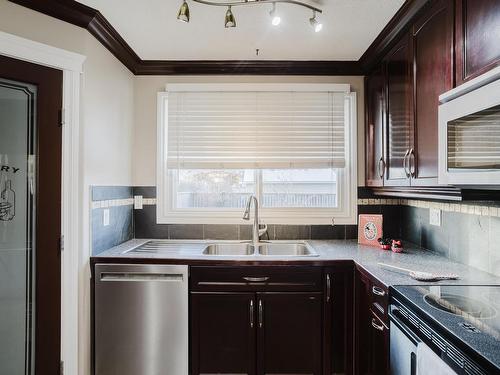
(467, 315)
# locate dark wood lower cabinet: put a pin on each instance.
(371, 332)
(289, 327)
(222, 333)
(334, 326)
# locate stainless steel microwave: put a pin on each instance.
(469, 133)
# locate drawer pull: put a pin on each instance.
(378, 291)
(378, 327)
(256, 279)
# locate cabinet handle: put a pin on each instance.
(256, 279)
(251, 314)
(404, 163)
(381, 171)
(260, 313)
(378, 291)
(328, 287)
(378, 327)
(411, 162)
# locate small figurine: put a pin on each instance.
(397, 246)
(385, 243)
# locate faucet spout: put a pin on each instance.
(256, 232)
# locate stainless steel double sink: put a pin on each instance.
(262, 248)
(227, 248)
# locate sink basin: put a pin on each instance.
(286, 249)
(230, 249)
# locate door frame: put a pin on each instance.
(72, 66)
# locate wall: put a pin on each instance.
(469, 232)
(107, 94)
(146, 88)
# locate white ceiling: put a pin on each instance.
(152, 30)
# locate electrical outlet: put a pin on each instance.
(435, 217)
(138, 202)
(105, 217)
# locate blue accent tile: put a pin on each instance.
(103, 193)
(119, 230)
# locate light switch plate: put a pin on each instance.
(138, 202)
(105, 217)
(435, 217)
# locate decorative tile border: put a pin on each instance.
(112, 203)
(464, 208)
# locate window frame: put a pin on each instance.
(345, 213)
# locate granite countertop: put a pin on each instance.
(330, 251)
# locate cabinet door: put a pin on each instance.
(362, 362)
(338, 322)
(375, 114)
(379, 344)
(398, 137)
(477, 41)
(432, 44)
(289, 333)
(223, 333)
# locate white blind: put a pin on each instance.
(256, 130)
(474, 140)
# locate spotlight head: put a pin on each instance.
(183, 14)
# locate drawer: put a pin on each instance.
(380, 300)
(251, 278)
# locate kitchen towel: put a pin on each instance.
(429, 363)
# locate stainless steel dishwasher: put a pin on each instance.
(141, 320)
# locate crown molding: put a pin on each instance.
(92, 20)
(398, 24)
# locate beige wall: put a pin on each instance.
(106, 110)
(146, 88)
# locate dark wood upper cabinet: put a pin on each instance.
(398, 130)
(289, 333)
(375, 120)
(223, 333)
(432, 47)
(477, 37)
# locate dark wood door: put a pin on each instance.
(363, 352)
(289, 333)
(338, 321)
(432, 45)
(379, 346)
(30, 201)
(477, 39)
(375, 119)
(223, 333)
(398, 130)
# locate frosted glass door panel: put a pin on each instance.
(17, 124)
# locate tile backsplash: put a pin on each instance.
(469, 232)
(118, 201)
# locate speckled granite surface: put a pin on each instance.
(190, 252)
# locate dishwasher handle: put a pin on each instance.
(141, 276)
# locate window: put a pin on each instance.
(292, 146)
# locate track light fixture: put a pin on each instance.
(183, 14)
(275, 18)
(315, 23)
(230, 21)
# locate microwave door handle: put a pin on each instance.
(411, 162)
(404, 163)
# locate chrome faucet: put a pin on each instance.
(256, 231)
